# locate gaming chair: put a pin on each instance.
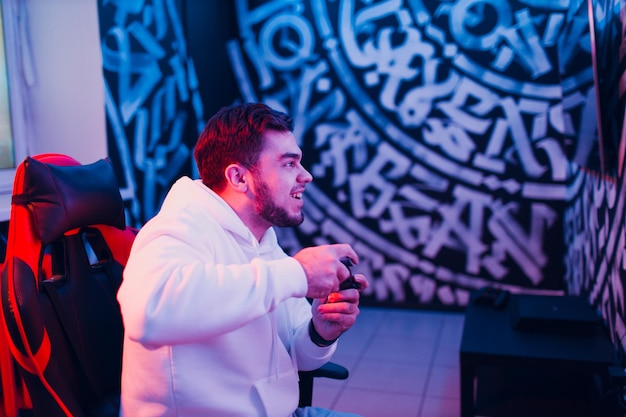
(67, 245)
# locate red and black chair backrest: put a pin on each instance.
(67, 245)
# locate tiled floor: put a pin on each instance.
(402, 363)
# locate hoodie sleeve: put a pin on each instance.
(174, 290)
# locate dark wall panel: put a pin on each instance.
(208, 26)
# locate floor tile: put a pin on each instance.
(389, 376)
(372, 403)
(402, 363)
(417, 325)
(440, 407)
(446, 355)
(401, 349)
(444, 383)
(452, 329)
(325, 395)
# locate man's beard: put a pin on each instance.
(271, 213)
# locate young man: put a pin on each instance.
(215, 315)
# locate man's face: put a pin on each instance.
(279, 181)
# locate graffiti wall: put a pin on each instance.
(594, 232)
(439, 133)
(595, 240)
(153, 107)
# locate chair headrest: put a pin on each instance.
(66, 197)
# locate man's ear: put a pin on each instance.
(236, 177)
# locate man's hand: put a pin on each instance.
(337, 313)
(323, 268)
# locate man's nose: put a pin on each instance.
(305, 176)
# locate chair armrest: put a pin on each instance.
(328, 370)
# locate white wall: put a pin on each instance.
(67, 98)
(65, 101)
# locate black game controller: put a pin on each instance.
(490, 296)
(350, 282)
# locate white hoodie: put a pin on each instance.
(216, 323)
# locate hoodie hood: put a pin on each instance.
(198, 200)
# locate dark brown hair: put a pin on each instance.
(235, 134)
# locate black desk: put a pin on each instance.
(505, 372)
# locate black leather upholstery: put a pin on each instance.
(64, 197)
